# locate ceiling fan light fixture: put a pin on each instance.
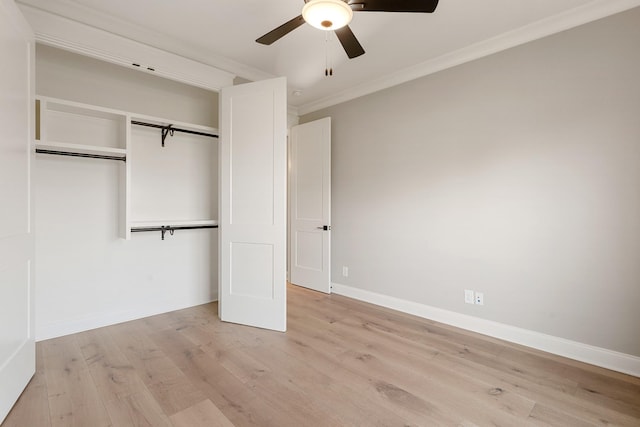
(327, 14)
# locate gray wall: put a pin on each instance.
(517, 175)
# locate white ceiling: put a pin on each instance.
(399, 46)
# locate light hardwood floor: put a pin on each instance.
(341, 363)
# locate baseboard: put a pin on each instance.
(602, 357)
(73, 326)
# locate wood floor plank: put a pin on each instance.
(39, 378)
(361, 388)
(166, 382)
(341, 363)
(203, 414)
(246, 364)
(461, 345)
(111, 371)
(125, 396)
(237, 401)
(237, 362)
(384, 353)
(546, 416)
(562, 402)
(136, 410)
(349, 398)
(599, 385)
(599, 398)
(461, 395)
(74, 399)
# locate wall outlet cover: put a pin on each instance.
(469, 297)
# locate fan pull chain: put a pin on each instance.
(328, 70)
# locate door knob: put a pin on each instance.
(324, 227)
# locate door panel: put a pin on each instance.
(252, 166)
(17, 345)
(252, 219)
(257, 280)
(14, 304)
(310, 198)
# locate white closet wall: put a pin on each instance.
(66, 75)
(86, 275)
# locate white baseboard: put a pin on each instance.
(72, 326)
(602, 357)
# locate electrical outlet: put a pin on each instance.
(479, 298)
(345, 271)
(468, 297)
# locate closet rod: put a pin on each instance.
(70, 154)
(170, 228)
(171, 128)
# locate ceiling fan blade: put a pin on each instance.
(349, 42)
(281, 31)
(417, 6)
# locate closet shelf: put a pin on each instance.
(81, 148)
(80, 109)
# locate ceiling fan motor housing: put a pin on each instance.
(327, 14)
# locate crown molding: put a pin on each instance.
(589, 12)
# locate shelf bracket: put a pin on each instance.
(164, 229)
(166, 130)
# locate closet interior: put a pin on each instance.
(126, 193)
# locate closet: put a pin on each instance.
(125, 192)
(122, 150)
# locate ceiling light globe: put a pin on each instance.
(327, 14)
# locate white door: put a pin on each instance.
(310, 202)
(17, 345)
(252, 208)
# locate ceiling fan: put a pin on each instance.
(335, 15)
